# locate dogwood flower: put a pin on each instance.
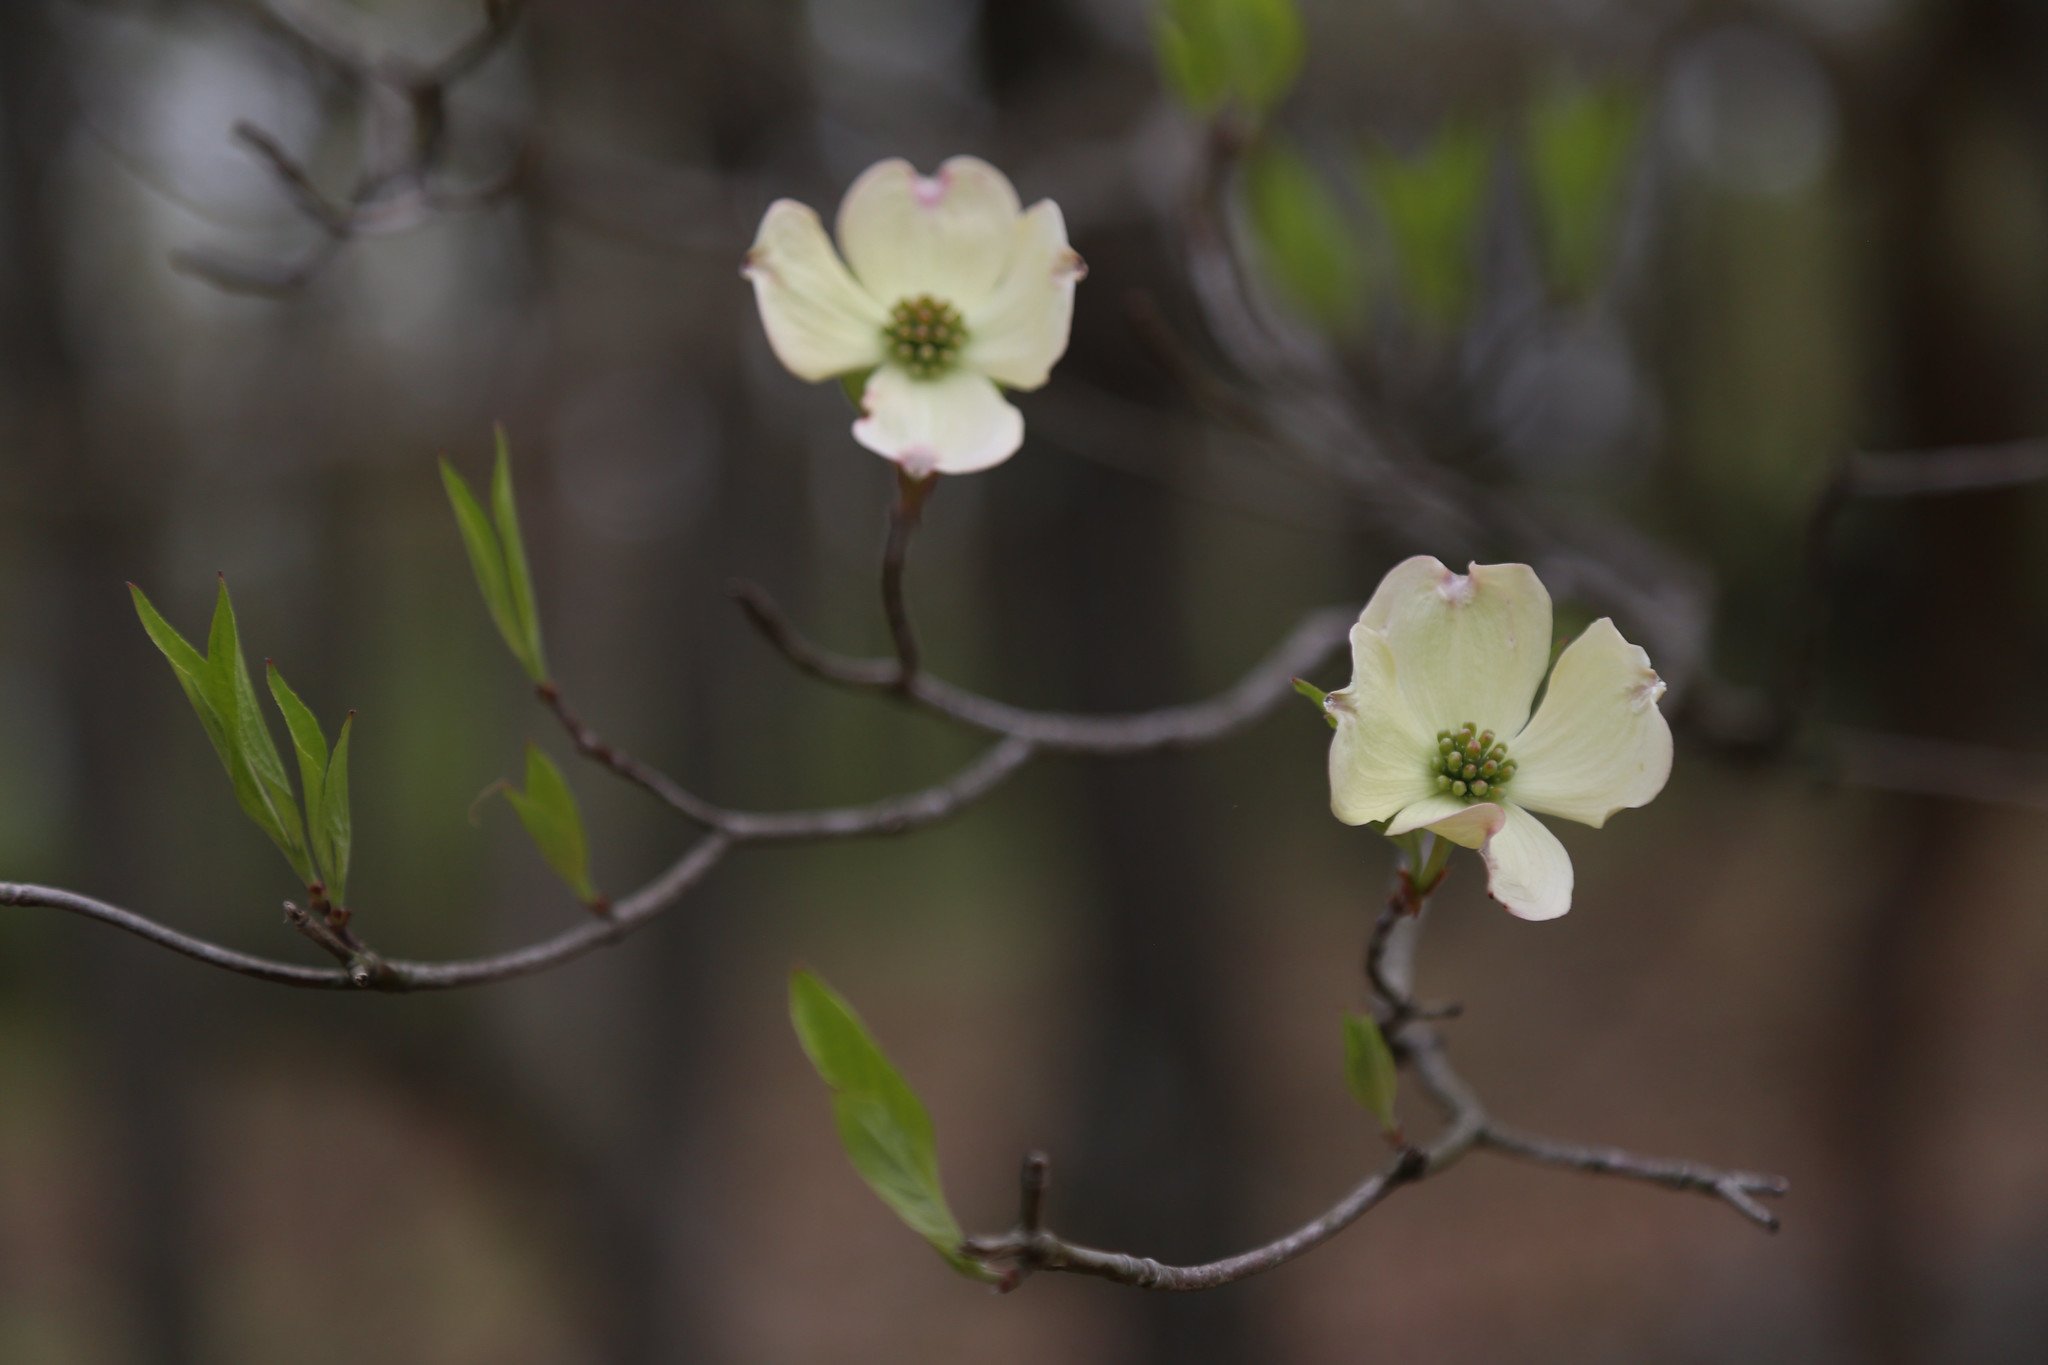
(1435, 732)
(948, 289)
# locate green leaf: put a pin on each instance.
(486, 560)
(1211, 51)
(548, 810)
(340, 824)
(192, 673)
(1306, 244)
(882, 1124)
(1576, 150)
(216, 685)
(311, 748)
(1191, 65)
(518, 578)
(1431, 204)
(258, 773)
(1369, 1067)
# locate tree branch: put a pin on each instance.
(408, 109)
(1269, 681)
(1258, 692)
(1467, 1126)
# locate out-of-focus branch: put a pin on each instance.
(1918, 766)
(405, 147)
(1467, 1126)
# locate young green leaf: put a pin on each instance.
(189, 666)
(1577, 154)
(311, 748)
(1369, 1067)
(518, 577)
(1431, 203)
(1306, 244)
(256, 770)
(487, 561)
(883, 1126)
(548, 810)
(1211, 51)
(1190, 62)
(340, 824)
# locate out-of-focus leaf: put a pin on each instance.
(883, 1126)
(518, 577)
(1212, 51)
(340, 824)
(548, 810)
(311, 747)
(1309, 249)
(1431, 203)
(1577, 149)
(1369, 1067)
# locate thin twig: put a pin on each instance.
(1268, 682)
(911, 493)
(594, 747)
(1264, 687)
(1419, 1048)
(362, 969)
(1738, 1189)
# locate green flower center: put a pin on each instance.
(925, 336)
(1469, 764)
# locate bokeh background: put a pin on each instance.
(1800, 228)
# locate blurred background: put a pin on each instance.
(1617, 283)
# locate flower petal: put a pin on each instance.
(1527, 869)
(1016, 335)
(949, 235)
(1379, 757)
(1466, 824)
(955, 424)
(1470, 646)
(1598, 744)
(819, 321)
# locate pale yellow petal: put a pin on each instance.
(1017, 334)
(1379, 757)
(1527, 869)
(1470, 646)
(820, 322)
(956, 424)
(1466, 824)
(948, 235)
(1598, 744)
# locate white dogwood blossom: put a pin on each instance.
(948, 288)
(1435, 732)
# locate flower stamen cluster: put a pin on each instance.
(1469, 763)
(925, 336)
